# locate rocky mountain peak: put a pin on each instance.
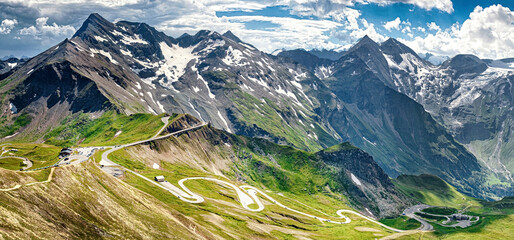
(366, 39)
(365, 42)
(230, 35)
(463, 59)
(369, 52)
(465, 64)
(189, 40)
(393, 46)
(395, 49)
(94, 24)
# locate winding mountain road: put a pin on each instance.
(247, 195)
(409, 212)
(27, 162)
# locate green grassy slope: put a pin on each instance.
(440, 210)
(495, 217)
(80, 128)
(40, 154)
(130, 207)
(81, 202)
(82, 198)
(290, 176)
(401, 222)
(7, 129)
(301, 135)
(432, 190)
(11, 163)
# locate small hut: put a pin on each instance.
(65, 152)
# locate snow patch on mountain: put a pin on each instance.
(323, 71)
(502, 64)
(287, 93)
(212, 96)
(161, 107)
(234, 58)
(259, 81)
(391, 62)
(268, 65)
(13, 108)
(224, 122)
(355, 180)
(470, 88)
(212, 44)
(464, 97)
(175, 62)
(196, 111)
(150, 95)
(104, 53)
(151, 110)
(100, 39)
(126, 53)
(370, 142)
(248, 46)
(130, 39)
(296, 84)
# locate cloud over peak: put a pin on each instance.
(487, 33)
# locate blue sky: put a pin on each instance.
(440, 27)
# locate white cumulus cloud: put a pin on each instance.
(326, 6)
(285, 33)
(368, 29)
(395, 24)
(42, 30)
(7, 25)
(433, 26)
(487, 33)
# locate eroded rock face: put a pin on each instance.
(367, 184)
(58, 84)
(471, 97)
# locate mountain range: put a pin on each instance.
(453, 120)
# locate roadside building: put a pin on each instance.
(459, 217)
(159, 179)
(65, 152)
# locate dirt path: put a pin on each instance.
(30, 184)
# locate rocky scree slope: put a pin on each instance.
(371, 79)
(397, 131)
(471, 97)
(215, 77)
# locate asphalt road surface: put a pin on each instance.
(409, 212)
